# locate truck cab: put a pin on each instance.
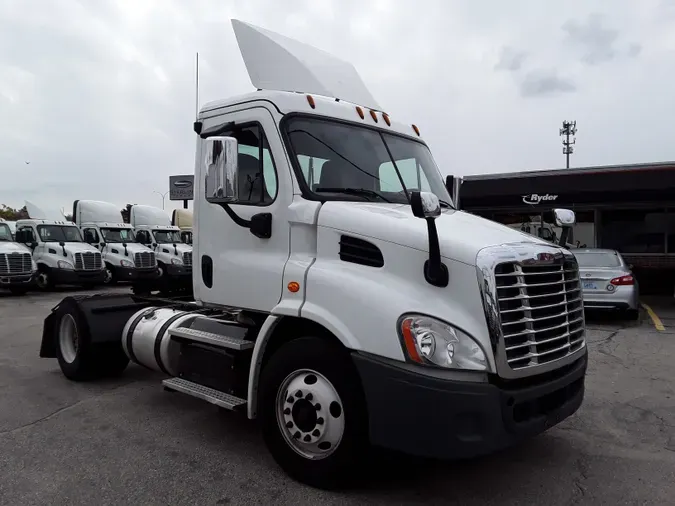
(339, 295)
(59, 250)
(125, 258)
(154, 229)
(182, 218)
(17, 268)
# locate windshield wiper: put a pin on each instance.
(353, 191)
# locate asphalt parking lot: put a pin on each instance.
(128, 442)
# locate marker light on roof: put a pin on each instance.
(360, 111)
(373, 115)
(417, 130)
(385, 116)
(310, 101)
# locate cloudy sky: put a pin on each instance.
(98, 95)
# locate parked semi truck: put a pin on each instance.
(61, 255)
(349, 312)
(17, 267)
(174, 258)
(182, 218)
(103, 227)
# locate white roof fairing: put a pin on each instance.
(276, 62)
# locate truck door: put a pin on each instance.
(234, 267)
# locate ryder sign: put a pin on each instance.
(535, 198)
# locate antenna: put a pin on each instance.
(197, 88)
(569, 129)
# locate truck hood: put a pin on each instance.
(461, 235)
(13, 247)
(74, 247)
(132, 247)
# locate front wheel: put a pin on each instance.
(313, 413)
(43, 280)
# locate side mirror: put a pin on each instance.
(564, 217)
(102, 244)
(34, 244)
(425, 205)
(21, 236)
(220, 170)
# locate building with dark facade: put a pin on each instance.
(630, 208)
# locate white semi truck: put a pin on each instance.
(125, 259)
(17, 267)
(182, 218)
(174, 258)
(61, 255)
(347, 312)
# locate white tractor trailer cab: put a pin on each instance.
(61, 255)
(17, 267)
(125, 258)
(174, 258)
(339, 296)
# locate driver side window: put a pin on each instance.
(411, 173)
(29, 234)
(143, 237)
(90, 236)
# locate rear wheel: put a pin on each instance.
(78, 358)
(313, 413)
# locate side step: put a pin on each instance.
(207, 394)
(211, 338)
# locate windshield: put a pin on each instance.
(59, 233)
(334, 156)
(5, 232)
(118, 235)
(166, 236)
(603, 259)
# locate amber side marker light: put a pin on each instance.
(409, 341)
(386, 119)
(373, 115)
(360, 111)
(417, 130)
(310, 101)
(293, 286)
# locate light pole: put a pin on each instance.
(163, 195)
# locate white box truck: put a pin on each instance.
(340, 310)
(125, 258)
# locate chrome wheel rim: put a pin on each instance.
(68, 338)
(310, 414)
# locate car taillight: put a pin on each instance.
(623, 280)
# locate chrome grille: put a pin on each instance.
(87, 261)
(540, 309)
(15, 263)
(187, 259)
(145, 259)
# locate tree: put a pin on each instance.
(11, 214)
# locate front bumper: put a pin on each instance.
(439, 418)
(179, 271)
(73, 277)
(134, 274)
(17, 280)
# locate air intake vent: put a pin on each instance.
(358, 251)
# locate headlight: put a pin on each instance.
(65, 265)
(126, 263)
(430, 341)
(176, 261)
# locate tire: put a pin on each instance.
(43, 280)
(18, 290)
(326, 361)
(633, 314)
(78, 359)
(110, 277)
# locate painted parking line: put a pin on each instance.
(655, 319)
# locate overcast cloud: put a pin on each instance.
(98, 95)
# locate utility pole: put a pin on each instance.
(568, 129)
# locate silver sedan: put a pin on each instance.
(607, 281)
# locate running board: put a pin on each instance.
(211, 338)
(220, 399)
